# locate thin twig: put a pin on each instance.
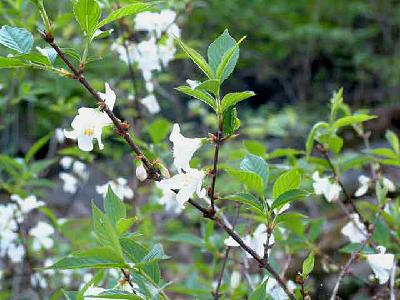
(128, 279)
(354, 255)
(214, 172)
(216, 293)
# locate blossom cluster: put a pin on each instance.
(78, 173)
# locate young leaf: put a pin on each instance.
(159, 129)
(11, 62)
(18, 39)
(87, 14)
(36, 147)
(103, 257)
(308, 265)
(210, 85)
(230, 121)
(128, 10)
(123, 225)
(260, 292)
(287, 197)
(228, 62)
(350, 120)
(198, 94)
(252, 180)
(289, 180)
(393, 140)
(312, 135)
(217, 50)
(114, 207)
(155, 254)
(104, 230)
(197, 59)
(231, 99)
(247, 199)
(256, 164)
(115, 294)
(255, 147)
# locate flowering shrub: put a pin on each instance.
(259, 236)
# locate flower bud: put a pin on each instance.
(141, 172)
(164, 172)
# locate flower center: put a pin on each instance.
(88, 131)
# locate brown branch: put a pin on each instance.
(153, 172)
(355, 255)
(128, 279)
(218, 142)
(122, 127)
(216, 293)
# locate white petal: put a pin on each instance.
(85, 142)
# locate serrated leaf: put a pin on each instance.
(288, 197)
(198, 94)
(156, 253)
(289, 180)
(228, 62)
(210, 85)
(114, 207)
(256, 164)
(308, 264)
(87, 14)
(217, 50)
(231, 122)
(123, 225)
(11, 62)
(350, 120)
(103, 257)
(104, 230)
(231, 99)
(247, 199)
(128, 10)
(197, 59)
(251, 180)
(18, 39)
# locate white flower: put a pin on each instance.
(141, 172)
(388, 184)
(381, 264)
(183, 149)
(235, 280)
(89, 123)
(70, 183)
(66, 162)
(93, 291)
(59, 134)
(80, 169)
(119, 187)
(155, 22)
(275, 291)
(151, 103)
(146, 55)
(28, 204)
(193, 83)
(41, 236)
(364, 185)
(168, 199)
(323, 186)
(354, 230)
(37, 280)
(256, 241)
(187, 183)
(16, 253)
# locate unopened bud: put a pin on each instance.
(164, 171)
(141, 172)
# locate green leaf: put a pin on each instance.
(18, 39)
(210, 85)
(217, 50)
(256, 164)
(135, 253)
(103, 257)
(336, 102)
(308, 264)
(252, 180)
(123, 225)
(260, 292)
(34, 58)
(197, 59)
(231, 122)
(355, 247)
(312, 135)
(231, 99)
(115, 294)
(289, 180)
(156, 253)
(228, 62)
(198, 94)
(94, 281)
(104, 230)
(87, 14)
(159, 129)
(385, 152)
(40, 165)
(114, 207)
(187, 238)
(350, 120)
(247, 199)
(393, 140)
(332, 141)
(70, 295)
(12, 62)
(36, 147)
(255, 147)
(128, 10)
(287, 197)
